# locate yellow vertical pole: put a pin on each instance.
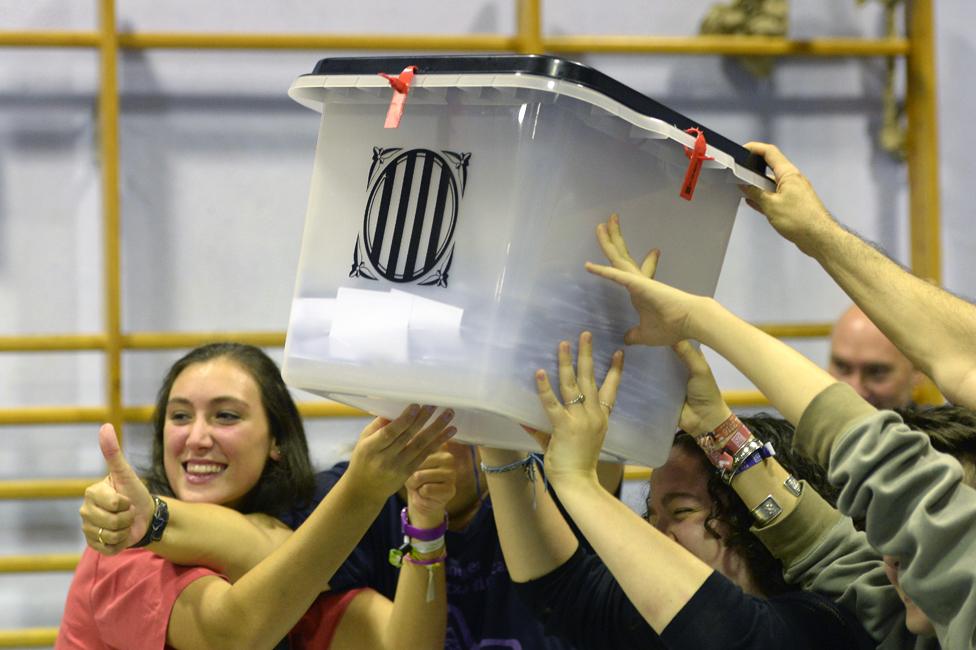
(923, 143)
(529, 26)
(108, 130)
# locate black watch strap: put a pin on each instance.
(157, 525)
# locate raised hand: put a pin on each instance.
(389, 451)
(704, 409)
(665, 312)
(579, 422)
(117, 510)
(793, 209)
(430, 488)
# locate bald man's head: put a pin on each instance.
(860, 355)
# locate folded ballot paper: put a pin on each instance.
(453, 203)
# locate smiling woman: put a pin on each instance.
(229, 449)
(692, 579)
(209, 409)
(215, 446)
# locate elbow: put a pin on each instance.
(233, 627)
(957, 384)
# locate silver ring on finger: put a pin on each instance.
(99, 536)
(609, 407)
(579, 399)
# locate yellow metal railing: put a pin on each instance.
(918, 48)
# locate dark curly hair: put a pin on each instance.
(735, 519)
(952, 430)
(284, 483)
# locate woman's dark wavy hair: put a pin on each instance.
(728, 509)
(952, 430)
(285, 483)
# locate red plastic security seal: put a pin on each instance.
(401, 88)
(696, 157)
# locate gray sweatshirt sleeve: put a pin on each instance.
(822, 552)
(913, 501)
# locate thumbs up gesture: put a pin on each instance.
(117, 510)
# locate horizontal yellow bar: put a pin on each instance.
(48, 39)
(52, 342)
(60, 488)
(198, 41)
(53, 414)
(797, 330)
(636, 473)
(28, 637)
(38, 563)
(176, 340)
(97, 414)
(329, 410)
(307, 409)
(727, 45)
(268, 339)
(690, 45)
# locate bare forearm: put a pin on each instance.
(658, 576)
(278, 591)
(219, 538)
(933, 328)
(785, 376)
(414, 622)
(534, 541)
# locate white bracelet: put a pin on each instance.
(427, 547)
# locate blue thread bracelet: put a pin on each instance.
(764, 452)
(528, 465)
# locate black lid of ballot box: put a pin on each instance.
(542, 66)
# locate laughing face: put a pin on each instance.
(216, 438)
(679, 506)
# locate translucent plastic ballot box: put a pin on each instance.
(443, 260)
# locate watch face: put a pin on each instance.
(766, 511)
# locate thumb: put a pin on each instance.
(541, 437)
(649, 265)
(691, 356)
(120, 472)
(633, 337)
(755, 196)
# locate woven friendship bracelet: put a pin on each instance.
(528, 465)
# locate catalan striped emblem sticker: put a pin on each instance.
(412, 208)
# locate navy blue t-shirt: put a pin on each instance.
(484, 610)
(583, 602)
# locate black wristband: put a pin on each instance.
(156, 525)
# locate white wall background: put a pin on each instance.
(215, 168)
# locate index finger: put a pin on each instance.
(778, 162)
(427, 441)
(386, 432)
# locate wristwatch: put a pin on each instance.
(156, 525)
(767, 510)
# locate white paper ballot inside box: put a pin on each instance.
(442, 261)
